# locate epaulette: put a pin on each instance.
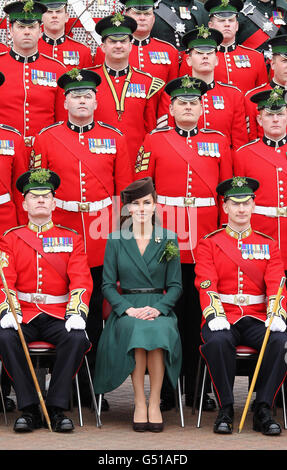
(141, 71)
(10, 128)
(160, 129)
(206, 131)
(52, 58)
(67, 228)
(97, 66)
(256, 88)
(248, 143)
(59, 123)
(213, 233)
(166, 42)
(13, 228)
(250, 49)
(78, 42)
(104, 124)
(4, 52)
(263, 234)
(228, 85)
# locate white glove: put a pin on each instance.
(219, 323)
(8, 321)
(75, 322)
(277, 324)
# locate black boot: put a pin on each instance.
(59, 422)
(31, 419)
(263, 421)
(224, 421)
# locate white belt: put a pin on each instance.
(42, 298)
(5, 198)
(271, 211)
(186, 201)
(75, 206)
(242, 299)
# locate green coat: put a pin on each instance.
(123, 262)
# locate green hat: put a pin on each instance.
(273, 100)
(278, 45)
(26, 12)
(223, 8)
(118, 26)
(141, 5)
(40, 181)
(186, 88)
(238, 188)
(202, 38)
(77, 80)
(54, 4)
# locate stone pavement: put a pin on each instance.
(116, 433)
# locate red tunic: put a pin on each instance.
(101, 172)
(139, 104)
(28, 271)
(253, 128)
(30, 93)
(12, 164)
(237, 65)
(267, 164)
(67, 50)
(184, 168)
(217, 273)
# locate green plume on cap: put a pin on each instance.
(238, 182)
(276, 96)
(74, 74)
(40, 176)
(203, 31)
(186, 82)
(29, 6)
(118, 19)
(224, 3)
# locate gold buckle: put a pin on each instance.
(281, 211)
(84, 206)
(189, 201)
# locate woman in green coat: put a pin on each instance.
(141, 331)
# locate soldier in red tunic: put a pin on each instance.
(128, 98)
(55, 43)
(265, 158)
(186, 165)
(47, 273)
(30, 92)
(92, 161)
(278, 63)
(223, 104)
(238, 273)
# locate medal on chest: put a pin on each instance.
(42, 78)
(278, 18)
(136, 90)
(208, 149)
(184, 13)
(57, 244)
(218, 102)
(255, 251)
(107, 146)
(159, 57)
(71, 57)
(7, 147)
(242, 61)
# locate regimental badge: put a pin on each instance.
(215, 308)
(205, 284)
(7, 147)
(102, 146)
(218, 102)
(39, 77)
(208, 149)
(142, 161)
(76, 306)
(278, 18)
(184, 13)
(157, 57)
(4, 259)
(255, 251)
(242, 61)
(71, 57)
(57, 244)
(136, 90)
(35, 160)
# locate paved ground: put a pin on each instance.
(116, 433)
